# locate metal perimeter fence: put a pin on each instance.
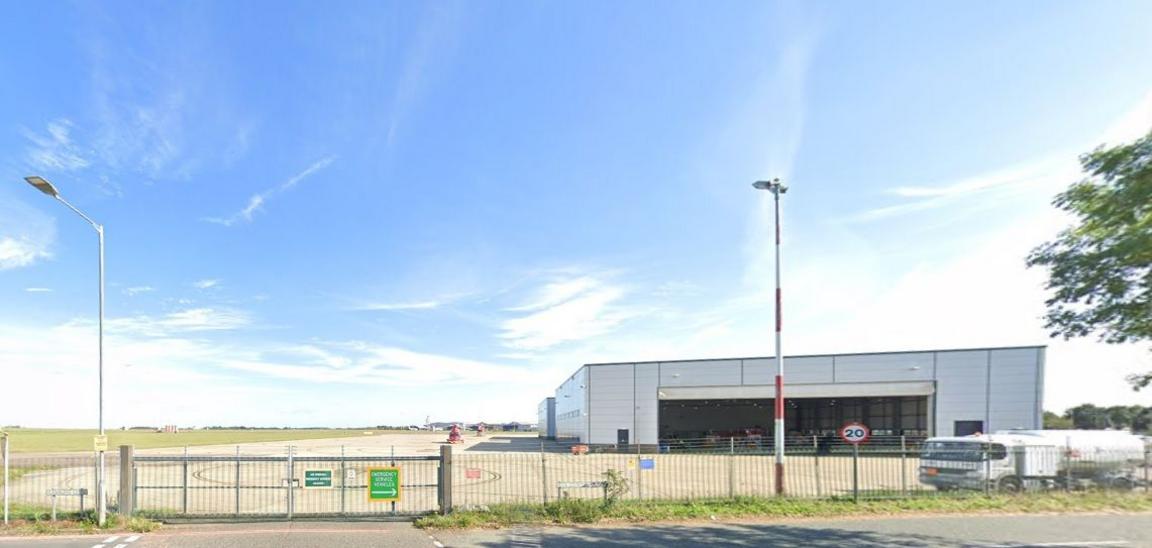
(290, 485)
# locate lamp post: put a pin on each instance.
(777, 188)
(44, 186)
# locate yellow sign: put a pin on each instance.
(100, 443)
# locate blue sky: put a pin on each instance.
(371, 213)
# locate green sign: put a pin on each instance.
(317, 479)
(383, 484)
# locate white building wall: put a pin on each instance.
(912, 366)
(1014, 395)
(700, 373)
(801, 370)
(572, 406)
(1001, 387)
(612, 395)
(647, 403)
(961, 389)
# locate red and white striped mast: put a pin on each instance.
(777, 188)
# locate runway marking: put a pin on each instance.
(1065, 544)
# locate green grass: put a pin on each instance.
(43, 440)
(36, 520)
(572, 511)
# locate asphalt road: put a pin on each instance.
(1099, 530)
(938, 531)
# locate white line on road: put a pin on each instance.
(1080, 544)
(98, 546)
(120, 546)
(132, 538)
(110, 540)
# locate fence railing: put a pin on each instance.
(289, 485)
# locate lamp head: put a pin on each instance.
(774, 186)
(42, 185)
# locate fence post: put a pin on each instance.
(127, 489)
(4, 455)
(445, 479)
(291, 471)
(393, 464)
(237, 480)
(816, 462)
(1068, 463)
(343, 479)
(731, 467)
(184, 485)
(543, 472)
(1146, 482)
(987, 467)
(903, 465)
(855, 472)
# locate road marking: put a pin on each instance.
(1082, 543)
(110, 540)
(98, 546)
(121, 546)
(132, 538)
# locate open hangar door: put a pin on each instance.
(713, 421)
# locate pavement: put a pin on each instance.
(968, 531)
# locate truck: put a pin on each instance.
(1017, 460)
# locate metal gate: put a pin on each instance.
(280, 487)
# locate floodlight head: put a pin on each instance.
(774, 186)
(42, 185)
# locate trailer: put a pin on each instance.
(1016, 460)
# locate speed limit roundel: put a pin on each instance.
(855, 433)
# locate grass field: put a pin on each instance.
(45, 440)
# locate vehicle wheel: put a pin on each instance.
(1010, 485)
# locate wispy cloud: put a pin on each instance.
(38, 289)
(136, 290)
(566, 310)
(416, 305)
(1045, 175)
(54, 150)
(1041, 176)
(188, 320)
(16, 252)
(206, 283)
(256, 201)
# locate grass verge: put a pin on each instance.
(572, 511)
(29, 520)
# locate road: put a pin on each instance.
(1040, 531)
(1132, 530)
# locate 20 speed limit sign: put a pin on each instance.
(855, 433)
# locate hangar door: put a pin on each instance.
(887, 416)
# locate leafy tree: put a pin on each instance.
(1100, 269)
(1052, 421)
(1088, 417)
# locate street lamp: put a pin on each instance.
(44, 186)
(777, 188)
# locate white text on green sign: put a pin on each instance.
(383, 484)
(317, 479)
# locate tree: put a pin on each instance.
(1100, 269)
(1088, 417)
(1052, 421)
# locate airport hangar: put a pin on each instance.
(918, 393)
